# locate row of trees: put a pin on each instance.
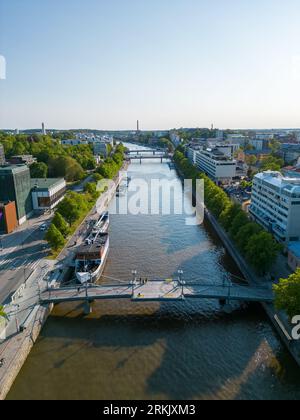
(75, 205)
(258, 246)
(54, 159)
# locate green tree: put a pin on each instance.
(60, 223)
(262, 251)
(287, 294)
(2, 313)
(240, 220)
(72, 207)
(39, 170)
(228, 215)
(55, 238)
(245, 233)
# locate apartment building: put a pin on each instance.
(218, 166)
(275, 205)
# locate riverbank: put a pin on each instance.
(15, 350)
(277, 319)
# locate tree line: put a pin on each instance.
(255, 244)
(54, 159)
(75, 206)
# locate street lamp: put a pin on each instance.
(180, 273)
(134, 274)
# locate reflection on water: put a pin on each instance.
(184, 350)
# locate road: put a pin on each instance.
(21, 253)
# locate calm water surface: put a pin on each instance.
(187, 350)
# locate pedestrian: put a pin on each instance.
(78, 289)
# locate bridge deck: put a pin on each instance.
(157, 291)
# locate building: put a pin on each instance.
(259, 144)
(44, 129)
(2, 155)
(8, 217)
(22, 160)
(294, 255)
(290, 152)
(219, 167)
(191, 152)
(74, 142)
(47, 193)
(102, 146)
(15, 185)
(291, 171)
(239, 139)
(275, 204)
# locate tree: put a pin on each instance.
(38, 170)
(55, 238)
(262, 251)
(60, 223)
(240, 220)
(228, 215)
(272, 163)
(2, 313)
(287, 294)
(72, 207)
(245, 233)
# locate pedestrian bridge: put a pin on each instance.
(168, 290)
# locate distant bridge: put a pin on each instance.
(139, 151)
(157, 291)
(158, 155)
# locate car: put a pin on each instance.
(43, 228)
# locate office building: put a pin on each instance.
(275, 204)
(219, 167)
(22, 160)
(15, 185)
(47, 193)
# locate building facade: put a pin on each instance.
(47, 193)
(275, 204)
(8, 217)
(15, 185)
(219, 167)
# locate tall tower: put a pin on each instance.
(138, 126)
(43, 129)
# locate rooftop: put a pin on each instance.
(14, 168)
(278, 180)
(45, 183)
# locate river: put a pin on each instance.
(190, 350)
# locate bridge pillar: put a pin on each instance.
(87, 309)
(140, 161)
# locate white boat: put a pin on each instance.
(91, 258)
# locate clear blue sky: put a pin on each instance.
(169, 63)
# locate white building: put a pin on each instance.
(219, 167)
(191, 152)
(276, 205)
(239, 139)
(47, 193)
(74, 142)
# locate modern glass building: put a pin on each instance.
(15, 185)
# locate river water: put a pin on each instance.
(190, 350)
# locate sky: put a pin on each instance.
(103, 64)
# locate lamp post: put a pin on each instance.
(180, 273)
(134, 274)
